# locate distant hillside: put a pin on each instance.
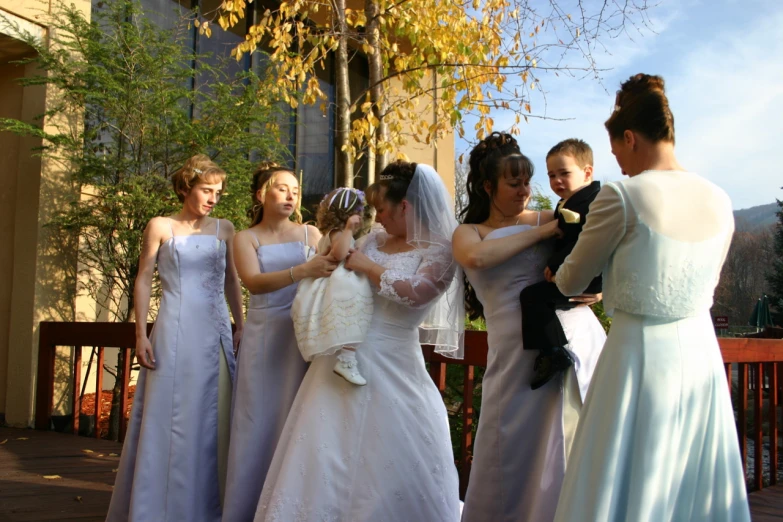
(754, 218)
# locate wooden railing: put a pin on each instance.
(756, 361)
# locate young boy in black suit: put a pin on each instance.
(570, 170)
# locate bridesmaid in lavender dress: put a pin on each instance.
(271, 260)
(524, 436)
(170, 467)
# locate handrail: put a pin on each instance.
(755, 362)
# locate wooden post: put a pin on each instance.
(772, 370)
(467, 430)
(758, 446)
(742, 415)
(124, 394)
(44, 390)
(77, 386)
(98, 391)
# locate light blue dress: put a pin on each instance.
(270, 370)
(656, 440)
(169, 466)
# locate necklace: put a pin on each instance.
(501, 223)
(191, 225)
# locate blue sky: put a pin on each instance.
(723, 65)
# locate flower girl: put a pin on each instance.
(332, 314)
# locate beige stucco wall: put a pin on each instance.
(41, 277)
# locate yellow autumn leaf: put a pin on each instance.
(113, 455)
(22, 438)
(52, 477)
(1, 443)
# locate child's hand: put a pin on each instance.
(354, 222)
(548, 275)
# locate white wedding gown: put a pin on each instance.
(375, 453)
(656, 441)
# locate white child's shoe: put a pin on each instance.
(347, 367)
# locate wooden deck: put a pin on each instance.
(85, 468)
(767, 505)
(81, 472)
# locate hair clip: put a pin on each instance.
(198, 171)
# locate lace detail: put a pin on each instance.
(681, 288)
(411, 278)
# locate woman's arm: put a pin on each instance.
(471, 251)
(430, 280)
(153, 237)
(603, 230)
(257, 282)
(232, 289)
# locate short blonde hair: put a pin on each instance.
(197, 169)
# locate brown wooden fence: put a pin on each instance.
(754, 363)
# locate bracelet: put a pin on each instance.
(291, 273)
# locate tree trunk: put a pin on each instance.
(372, 12)
(344, 167)
(116, 392)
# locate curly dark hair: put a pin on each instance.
(495, 155)
(338, 206)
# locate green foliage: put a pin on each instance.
(539, 201)
(124, 116)
(775, 276)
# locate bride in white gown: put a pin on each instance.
(656, 440)
(382, 452)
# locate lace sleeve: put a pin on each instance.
(432, 277)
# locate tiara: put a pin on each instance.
(198, 171)
(344, 200)
(385, 177)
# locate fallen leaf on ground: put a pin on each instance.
(100, 454)
(52, 477)
(115, 470)
(22, 438)
(1, 443)
(88, 451)
(113, 455)
(78, 499)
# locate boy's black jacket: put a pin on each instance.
(579, 202)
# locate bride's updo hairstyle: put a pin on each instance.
(641, 106)
(495, 155)
(392, 184)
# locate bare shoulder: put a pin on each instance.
(158, 226)
(547, 216)
(471, 231)
(313, 232)
(243, 236)
(227, 225)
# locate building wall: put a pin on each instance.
(40, 287)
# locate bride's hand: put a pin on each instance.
(587, 299)
(358, 261)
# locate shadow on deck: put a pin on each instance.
(85, 468)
